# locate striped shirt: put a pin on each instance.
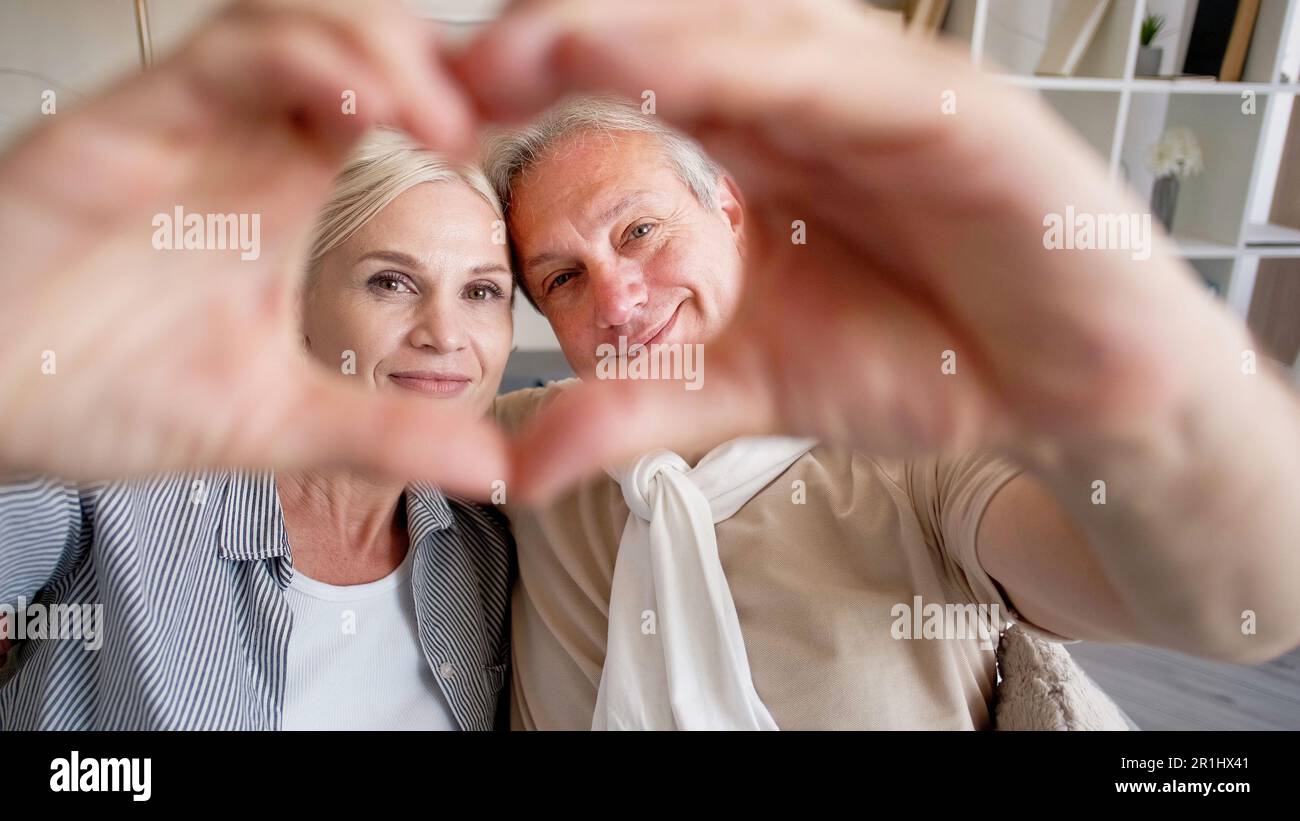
(169, 598)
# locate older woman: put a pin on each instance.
(406, 292)
(296, 599)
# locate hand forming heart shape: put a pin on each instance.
(923, 312)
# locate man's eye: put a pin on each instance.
(641, 230)
(559, 280)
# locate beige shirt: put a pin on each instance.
(817, 562)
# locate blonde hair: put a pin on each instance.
(383, 166)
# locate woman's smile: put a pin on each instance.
(432, 383)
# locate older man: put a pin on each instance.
(897, 300)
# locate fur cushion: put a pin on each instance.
(1043, 689)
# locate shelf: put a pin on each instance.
(1016, 33)
(1121, 115)
(1211, 205)
(1267, 235)
(1276, 241)
(1145, 86)
(1197, 248)
(1272, 251)
(1063, 83)
(1153, 86)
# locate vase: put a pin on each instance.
(1164, 200)
(1148, 61)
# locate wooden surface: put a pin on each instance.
(1164, 690)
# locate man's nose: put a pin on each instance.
(439, 326)
(620, 291)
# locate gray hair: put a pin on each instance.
(509, 154)
(383, 166)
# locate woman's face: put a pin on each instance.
(418, 299)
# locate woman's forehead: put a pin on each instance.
(430, 218)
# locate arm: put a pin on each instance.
(40, 527)
(1199, 526)
(925, 246)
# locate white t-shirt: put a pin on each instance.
(355, 661)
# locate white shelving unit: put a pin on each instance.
(1221, 220)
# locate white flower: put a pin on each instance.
(1177, 154)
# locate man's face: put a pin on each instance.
(612, 243)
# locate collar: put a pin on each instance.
(427, 511)
(251, 521)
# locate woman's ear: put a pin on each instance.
(732, 205)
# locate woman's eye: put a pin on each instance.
(641, 230)
(483, 291)
(390, 282)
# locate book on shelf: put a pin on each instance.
(1070, 38)
(1243, 28)
(1220, 38)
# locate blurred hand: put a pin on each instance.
(119, 358)
(923, 186)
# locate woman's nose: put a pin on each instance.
(438, 326)
(619, 292)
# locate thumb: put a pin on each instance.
(395, 436)
(602, 423)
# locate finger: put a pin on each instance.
(704, 60)
(399, 437)
(535, 53)
(406, 53)
(284, 67)
(604, 423)
(165, 116)
(253, 57)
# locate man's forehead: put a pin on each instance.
(584, 179)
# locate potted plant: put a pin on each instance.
(1149, 55)
(1176, 157)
